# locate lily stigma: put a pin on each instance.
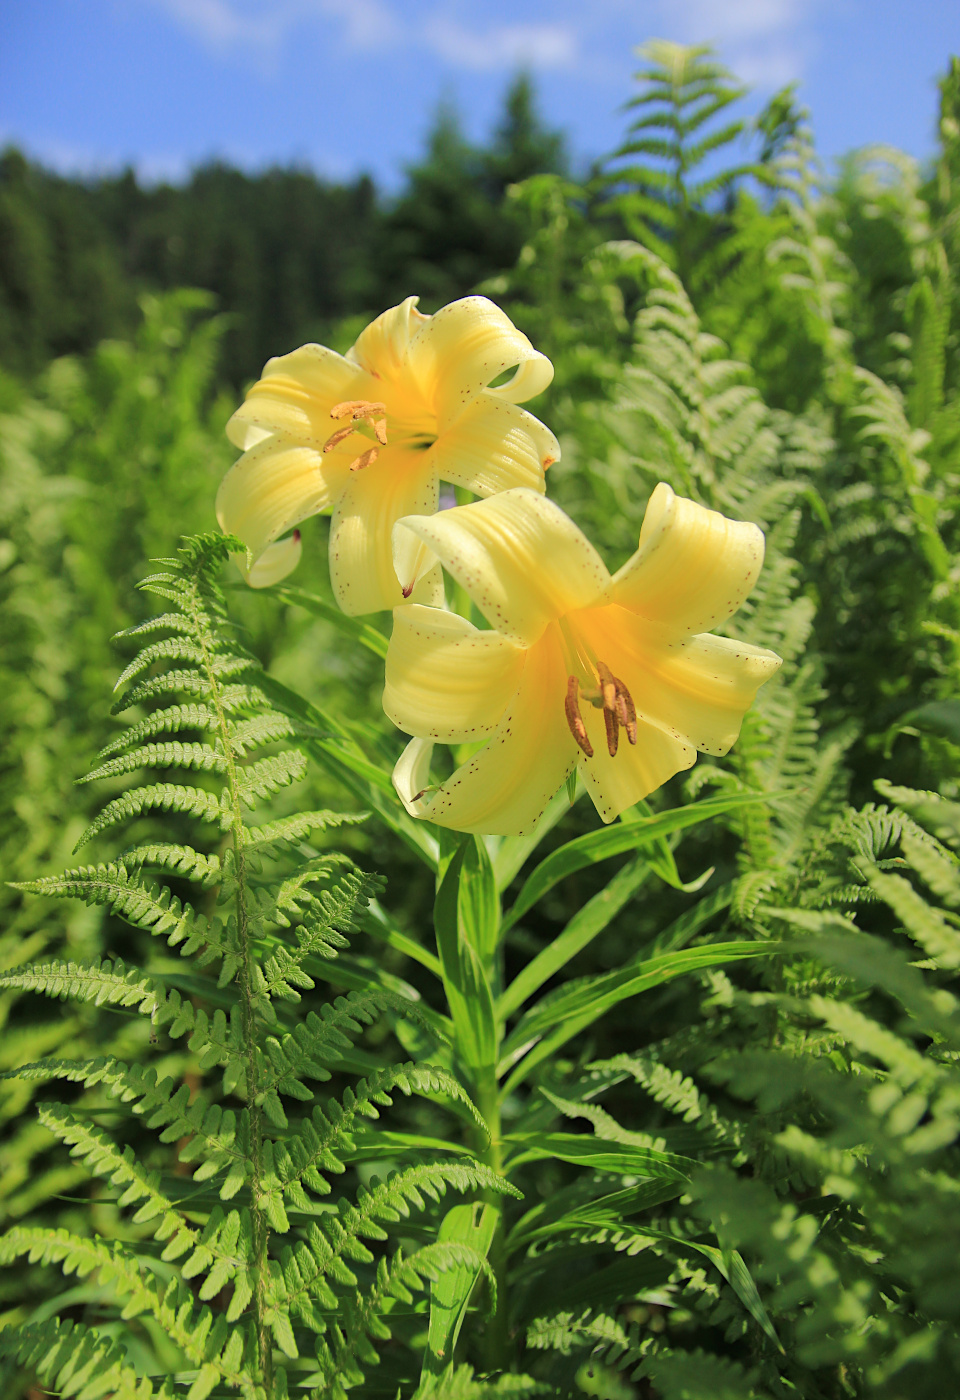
(573, 660)
(369, 435)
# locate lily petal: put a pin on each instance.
(494, 446)
(294, 395)
(617, 783)
(522, 561)
(466, 345)
(445, 679)
(694, 567)
(694, 689)
(411, 775)
(361, 558)
(383, 347)
(503, 789)
(276, 561)
(274, 486)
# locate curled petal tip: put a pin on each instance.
(275, 563)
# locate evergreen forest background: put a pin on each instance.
(782, 344)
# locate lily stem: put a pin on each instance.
(496, 1339)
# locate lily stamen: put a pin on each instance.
(612, 726)
(339, 436)
(359, 410)
(608, 686)
(574, 718)
(613, 697)
(626, 710)
(365, 459)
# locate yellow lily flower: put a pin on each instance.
(369, 435)
(616, 676)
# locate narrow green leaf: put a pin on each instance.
(510, 852)
(615, 840)
(364, 633)
(474, 1225)
(601, 1156)
(577, 1006)
(376, 921)
(479, 903)
(340, 755)
(589, 921)
(468, 991)
(611, 1209)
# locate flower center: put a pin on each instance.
(365, 414)
(359, 411)
(592, 680)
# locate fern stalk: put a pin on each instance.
(248, 1015)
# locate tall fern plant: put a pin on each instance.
(246, 1269)
(667, 172)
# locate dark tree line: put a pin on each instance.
(285, 253)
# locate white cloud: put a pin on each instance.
(503, 46)
(765, 42)
(738, 19)
(264, 25)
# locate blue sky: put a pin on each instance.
(350, 85)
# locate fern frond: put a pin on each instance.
(169, 683)
(290, 832)
(326, 919)
(101, 1157)
(73, 1360)
(162, 622)
(182, 861)
(141, 902)
(459, 1383)
(215, 1041)
(322, 1142)
(352, 1341)
(938, 938)
(266, 728)
(269, 775)
(170, 649)
(319, 1039)
(164, 797)
(200, 757)
(169, 721)
(204, 1339)
(676, 1092)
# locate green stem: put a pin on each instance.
(248, 1021)
(496, 1340)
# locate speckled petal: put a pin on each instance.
(495, 446)
(504, 788)
(383, 348)
(522, 561)
(273, 487)
(361, 555)
(445, 679)
(295, 394)
(465, 346)
(695, 689)
(694, 567)
(617, 783)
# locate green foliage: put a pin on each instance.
(695, 1073)
(267, 883)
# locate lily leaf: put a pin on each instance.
(615, 840)
(474, 1225)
